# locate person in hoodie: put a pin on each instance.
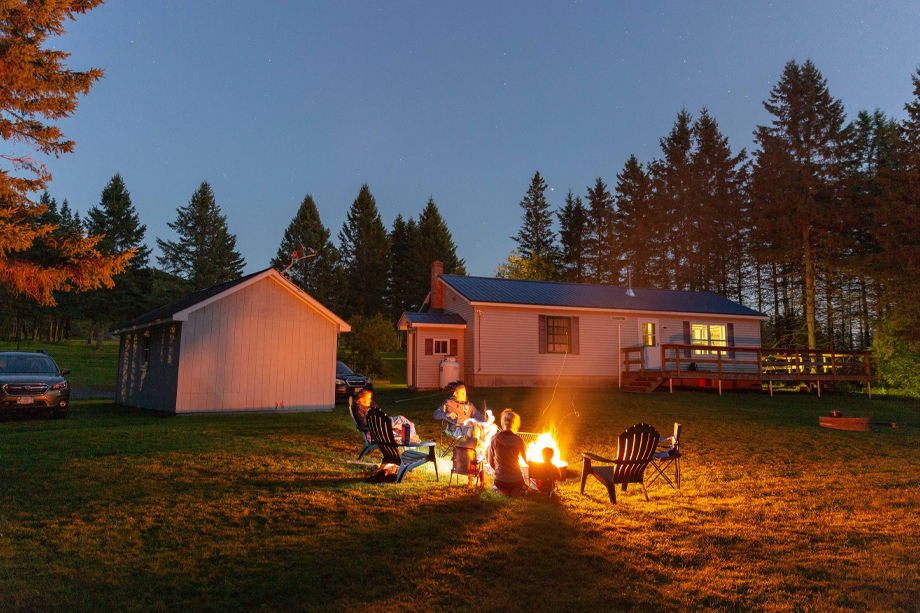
(504, 450)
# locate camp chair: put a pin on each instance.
(669, 454)
(635, 448)
(362, 430)
(381, 429)
(448, 439)
(465, 463)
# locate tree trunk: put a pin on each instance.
(829, 295)
(809, 288)
(99, 338)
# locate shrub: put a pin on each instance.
(369, 337)
(898, 353)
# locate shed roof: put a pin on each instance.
(583, 295)
(178, 310)
(430, 319)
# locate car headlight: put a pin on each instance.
(339, 382)
(60, 386)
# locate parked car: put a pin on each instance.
(348, 383)
(32, 381)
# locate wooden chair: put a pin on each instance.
(669, 454)
(635, 450)
(362, 430)
(381, 429)
(465, 463)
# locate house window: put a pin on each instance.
(708, 334)
(558, 335)
(441, 347)
(648, 334)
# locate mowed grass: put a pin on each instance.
(89, 369)
(123, 509)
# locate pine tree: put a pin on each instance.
(573, 225)
(205, 254)
(601, 252)
(35, 86)
(718, 220)
(798, 178)
(635, 225)
(365, 250)
(117, 224)
(319, 276)
(402, 291)
(672, 180)
(536, 235)
(433, 241)
(116, 221)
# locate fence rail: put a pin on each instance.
(681, 361)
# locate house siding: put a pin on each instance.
(428, 366)
(151, 385)
(455, 303)
(258, 349)
(508, 354)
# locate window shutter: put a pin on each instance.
(541, 335)
(429, 346)
(576, 345)
(687, 338)
(730, 332)
(453, 346)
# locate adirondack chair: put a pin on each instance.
(362, 430)
(635, 449)
(381, 429)
(668, 454)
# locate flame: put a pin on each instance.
(534, 450)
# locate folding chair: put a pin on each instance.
(670, 454)
(466, 463)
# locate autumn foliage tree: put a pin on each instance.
(36, 90)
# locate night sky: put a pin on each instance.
(269, 101)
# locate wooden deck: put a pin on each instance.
(752, 364)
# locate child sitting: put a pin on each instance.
(543, 476)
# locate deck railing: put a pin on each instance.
(687, 361)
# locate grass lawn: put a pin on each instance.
(90, 370)
(123, 509)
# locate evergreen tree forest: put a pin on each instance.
(818, 227)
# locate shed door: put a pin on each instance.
(648, 336)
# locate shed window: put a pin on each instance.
(708, 334)
(441, 347)
(145, 348)
(558, 335)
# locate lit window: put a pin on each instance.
(705, 334)
(558, 334)
(648, 334)
(440, 347)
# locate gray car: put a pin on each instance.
(32, 381)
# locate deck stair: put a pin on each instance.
(644, 384)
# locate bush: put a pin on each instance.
(898, 353)
(369, 338)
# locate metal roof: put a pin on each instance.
(552, 293)
(434, 319)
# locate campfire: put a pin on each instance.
(534, 453)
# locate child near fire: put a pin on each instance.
(504, 450)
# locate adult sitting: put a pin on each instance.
(364, 402)
(465, 419)
(504, 450)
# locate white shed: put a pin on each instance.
(258, 343)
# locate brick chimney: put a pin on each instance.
(437, 289)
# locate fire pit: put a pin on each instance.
(534, 450)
